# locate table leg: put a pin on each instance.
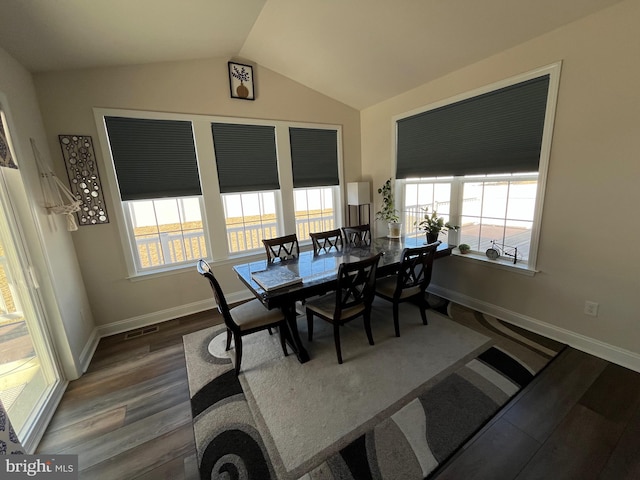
(297, 346)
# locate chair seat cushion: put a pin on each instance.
(254, 314)
(325, 306)
(387, 286)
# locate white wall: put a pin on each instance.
(67, 100)
(592, 190)
(62, 288)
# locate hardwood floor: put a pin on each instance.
(579, 419)
(128, 417)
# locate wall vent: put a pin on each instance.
(141, 331)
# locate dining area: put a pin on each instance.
(334, 281)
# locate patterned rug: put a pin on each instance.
(397, 409)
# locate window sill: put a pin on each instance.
(500, 263)
(245, 257)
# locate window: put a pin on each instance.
(184, 179)
(480, 161)
(432, 194)
(249, 217)
(314, 161)
(247, 163)
(156, 171)
(501, 210)
(314, 209)
(166, 231)
(496, 209)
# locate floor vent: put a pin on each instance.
(140, 332)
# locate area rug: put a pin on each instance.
(397, 409)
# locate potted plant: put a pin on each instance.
(388, 212)
(464, 248)
(432, 225)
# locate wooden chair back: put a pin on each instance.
(325, 242)
(223, 307)
(357, 236)
(282, 248)
(356, 285)
(414, 273)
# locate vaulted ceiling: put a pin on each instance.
(359, 52)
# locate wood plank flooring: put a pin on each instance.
(128, 417)
(579, 419)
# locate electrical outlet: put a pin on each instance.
(591, 308)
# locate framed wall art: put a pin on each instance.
(241, 81)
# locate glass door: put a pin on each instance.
(28, 371)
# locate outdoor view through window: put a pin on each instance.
(171, 230)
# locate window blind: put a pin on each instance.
(153, 158)
(496, 132)
(314, 157)
(246, 157)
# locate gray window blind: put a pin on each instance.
(496, 132)
(314, 155)
(153, 158)
(246, 157)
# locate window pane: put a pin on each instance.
(472, 199)
(494, 200)
(167, 231)
(522, 200)
(249, 217)
(501, 212)
(432, 195)
(411, 193)
(470, 233)
(314, 210)
(442, 199)
(425, 194)
(167, 215)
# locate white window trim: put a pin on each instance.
(553, 70)
(211, 202)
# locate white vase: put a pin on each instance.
(395, 229)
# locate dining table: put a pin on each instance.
(317, 275)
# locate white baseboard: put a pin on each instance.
(165, 315)
(581, 342)
(89, 349)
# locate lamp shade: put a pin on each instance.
(358, 193)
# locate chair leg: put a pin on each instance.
(423, 310)
(367, 328)
(309, 325)
(237, 339)
(336, 340)
(396, 322)
(283, 339)
(228, 340)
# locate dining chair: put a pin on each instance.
(244, 319)
(353, 297)
(282, 248)
(411, 281)
(357, 236)
(325, 242)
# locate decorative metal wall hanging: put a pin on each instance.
(6, 160)
(82, 170)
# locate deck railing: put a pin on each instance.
(185, 246)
